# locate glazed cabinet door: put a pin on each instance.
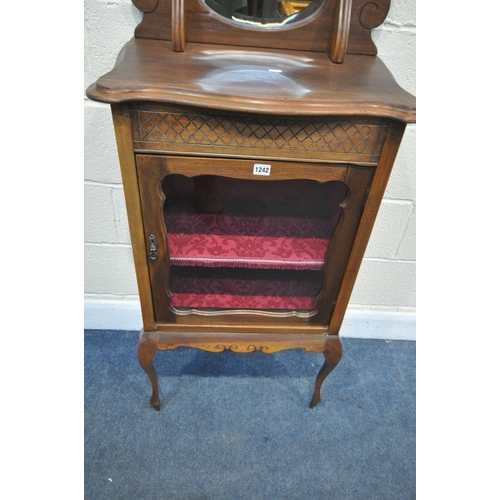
(236, 241)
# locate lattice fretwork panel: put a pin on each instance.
(259, 134)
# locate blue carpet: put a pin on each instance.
(238, 426)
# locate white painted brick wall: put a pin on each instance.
(386, 282)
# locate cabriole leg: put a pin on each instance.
(333, 353)
(146, 351)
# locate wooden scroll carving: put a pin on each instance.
(201, 26)
(157, 23)
(244, 343)
(366, 15)
(146, 6)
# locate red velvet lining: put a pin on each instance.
(243, 293)
(227, 240)
(265, 252)
(221, 301)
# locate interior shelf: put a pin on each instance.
(246, 289)
(210, 240)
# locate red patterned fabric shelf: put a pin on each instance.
(222, 240)
(274, 293)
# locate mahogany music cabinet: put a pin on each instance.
(255, 139)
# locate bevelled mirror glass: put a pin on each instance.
(264, 13)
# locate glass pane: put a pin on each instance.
(240, 244)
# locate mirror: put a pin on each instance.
(264, 13)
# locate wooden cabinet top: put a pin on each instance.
(254, 80)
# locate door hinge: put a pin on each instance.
(365, 198)
(332, 308)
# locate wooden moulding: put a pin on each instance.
(352, 36)
(247, 324)
(240, 343)
(367, 221)
(123, 133)
(148, 70)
